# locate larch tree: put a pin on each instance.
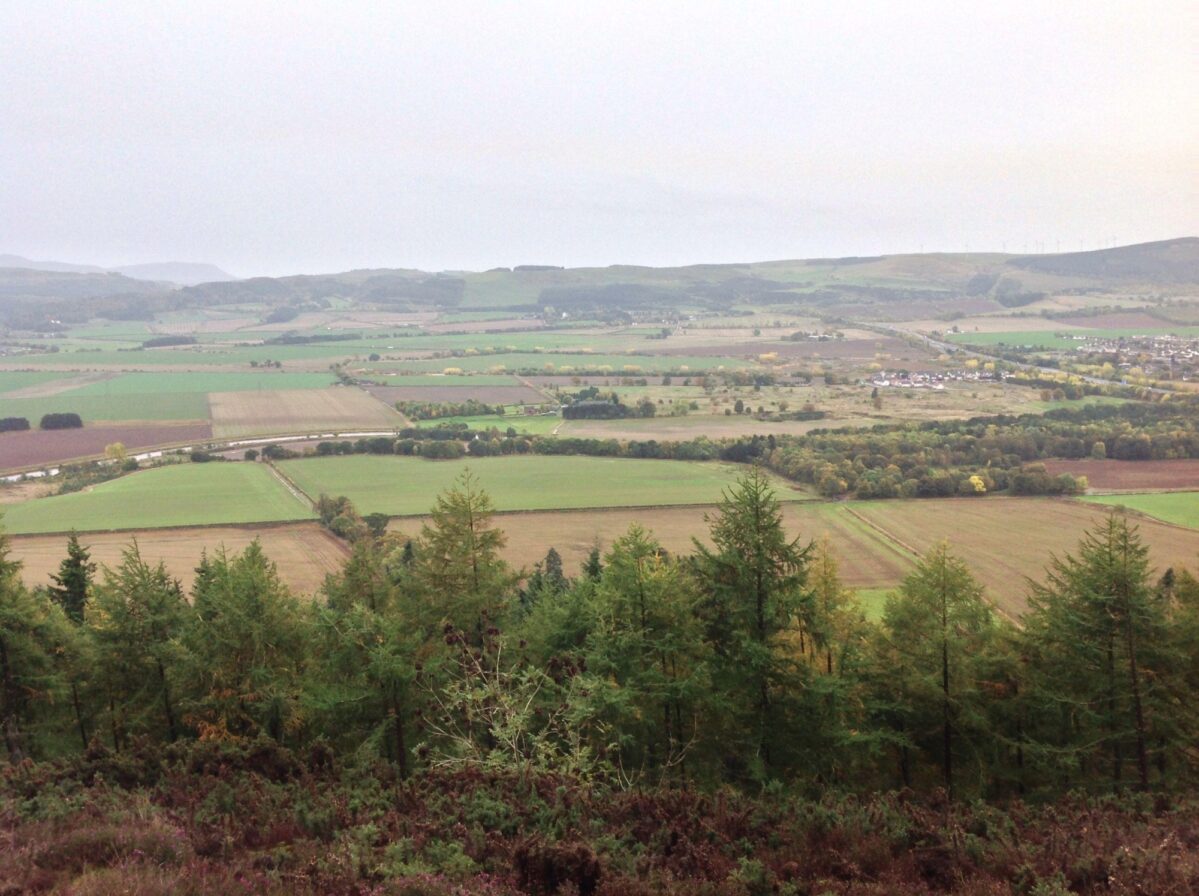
(136, 616)
(457, 572)
(754, 584)
(646, 658)
(937, 631)
(1097, 631)
(244, 649)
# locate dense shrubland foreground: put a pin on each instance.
(726, 722)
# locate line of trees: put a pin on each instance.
(743, 661)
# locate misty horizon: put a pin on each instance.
(473, 137)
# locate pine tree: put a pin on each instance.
(73, 582)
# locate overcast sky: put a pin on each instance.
(307, 137)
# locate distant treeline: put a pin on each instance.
(432, 410)
(927, 460)
(167, 341)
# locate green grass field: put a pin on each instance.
(160, 406)
(403, 486)
(211, 381)
(180, 495)
(23, 379)
(873, 601)
(1180, 508)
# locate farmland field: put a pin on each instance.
(185, 494)
(237, 414)
(1005, 540)
(36, 447)
(402, 486)
(527, 424)
(116, 407)
(1180, 508)
(1125, 475)
(514, 394)
(304, 552)
(875, 542)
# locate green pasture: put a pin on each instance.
(1180, 508)
(184, 494)
(212, 381)
(23, 379)
(873, 601)
(403, 486)
(160, 406)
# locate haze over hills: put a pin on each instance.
(877, 287)
(180, 273)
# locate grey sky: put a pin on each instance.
(304, 137)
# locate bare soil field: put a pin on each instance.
(304, 552)
(487, 326)
(867, 561)
(1005, 540)
(21, 450)
(1120, 321)
(27, 490)
(389, 395)
(369, 320)
(1130, 475)
(236, 414)
(993, 323)
(832, 349)
(190, 327)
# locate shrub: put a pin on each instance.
(13, 424)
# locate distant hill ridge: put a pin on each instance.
(181, 273)
(1173, 261)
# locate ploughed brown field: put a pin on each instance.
(389, 395)
(807, 348)
(487, 326)
(37, 447)
(1118, 321)
(1005, 541)
(303, 552)
(1131, 475)
(286, 411)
